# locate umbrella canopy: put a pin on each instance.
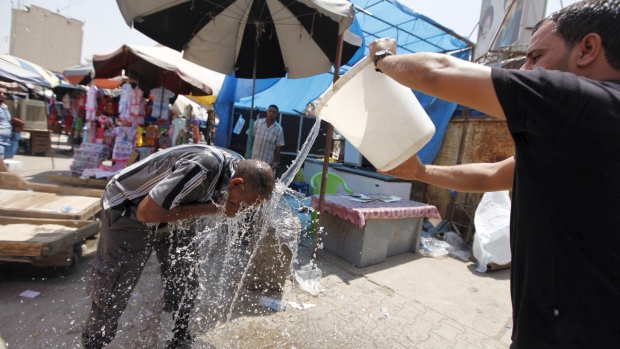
(78, 74)
(50, 78)
(82, 75)
(268, 38)
(157, 66)
(11, 72)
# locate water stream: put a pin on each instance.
(245, 257)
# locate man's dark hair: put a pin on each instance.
(274, 106)
(601, 17)
(258, 175)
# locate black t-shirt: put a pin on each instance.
(565, 223)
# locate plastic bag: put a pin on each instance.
(492, 238)
(434, 247)
(309, 278)
(458, 246)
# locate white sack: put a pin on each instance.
(492, 238)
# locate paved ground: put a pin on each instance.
(409, 301)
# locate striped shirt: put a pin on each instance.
(266, 138)
(184, 174)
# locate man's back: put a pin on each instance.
(190, 173)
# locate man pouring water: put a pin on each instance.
(175, 184)
(563, 112)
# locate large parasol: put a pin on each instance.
(250, 38)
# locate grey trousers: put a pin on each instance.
(122, 252)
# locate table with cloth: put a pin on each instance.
(366, 233)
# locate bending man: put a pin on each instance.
(174, 184)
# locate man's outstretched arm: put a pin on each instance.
(473, 178)
(442, 76)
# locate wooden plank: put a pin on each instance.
(16, 259)
(78, 181)
(76, 236)
(42, 239)
(36, 221)
(21, 248)
(19, 203)
(43, 233)
(36, 214)
(9, 180)
(60, 259)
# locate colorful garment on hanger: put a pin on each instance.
(137, 106)
(125, 101)
(109, 106)
(66, 101)
(91, 104)
(178, 125)
(161, 101)
(150, 138)
(124, 142)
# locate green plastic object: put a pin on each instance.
(333, 182)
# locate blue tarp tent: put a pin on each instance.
(374, 19)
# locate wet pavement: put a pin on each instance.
(408, 301)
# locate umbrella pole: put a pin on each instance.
(328, 150)
(49, 132)
(248, 147)
(163, 88)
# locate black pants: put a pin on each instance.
(123, 250)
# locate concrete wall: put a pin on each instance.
(46, 38)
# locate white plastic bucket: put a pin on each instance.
(377, 115)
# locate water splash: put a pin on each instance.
(257, 250)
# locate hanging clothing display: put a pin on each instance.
(150, 135)
(125, 102)
(178, 124)
(109, 106)
(124, 142)
(66, 101)
(137, 106)
(91, 104)
(161, 101)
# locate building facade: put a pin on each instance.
(46, 38)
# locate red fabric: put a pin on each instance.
(359, 212)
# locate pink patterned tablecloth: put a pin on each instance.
(359, 212)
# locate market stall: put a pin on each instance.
(138, 119)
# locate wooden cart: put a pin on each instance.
(43, 224)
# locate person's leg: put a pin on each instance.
(122, 252)
(179, 268)
(15, 137)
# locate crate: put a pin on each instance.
(301, 187)
(40, 142)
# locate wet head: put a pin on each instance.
(252, 184)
